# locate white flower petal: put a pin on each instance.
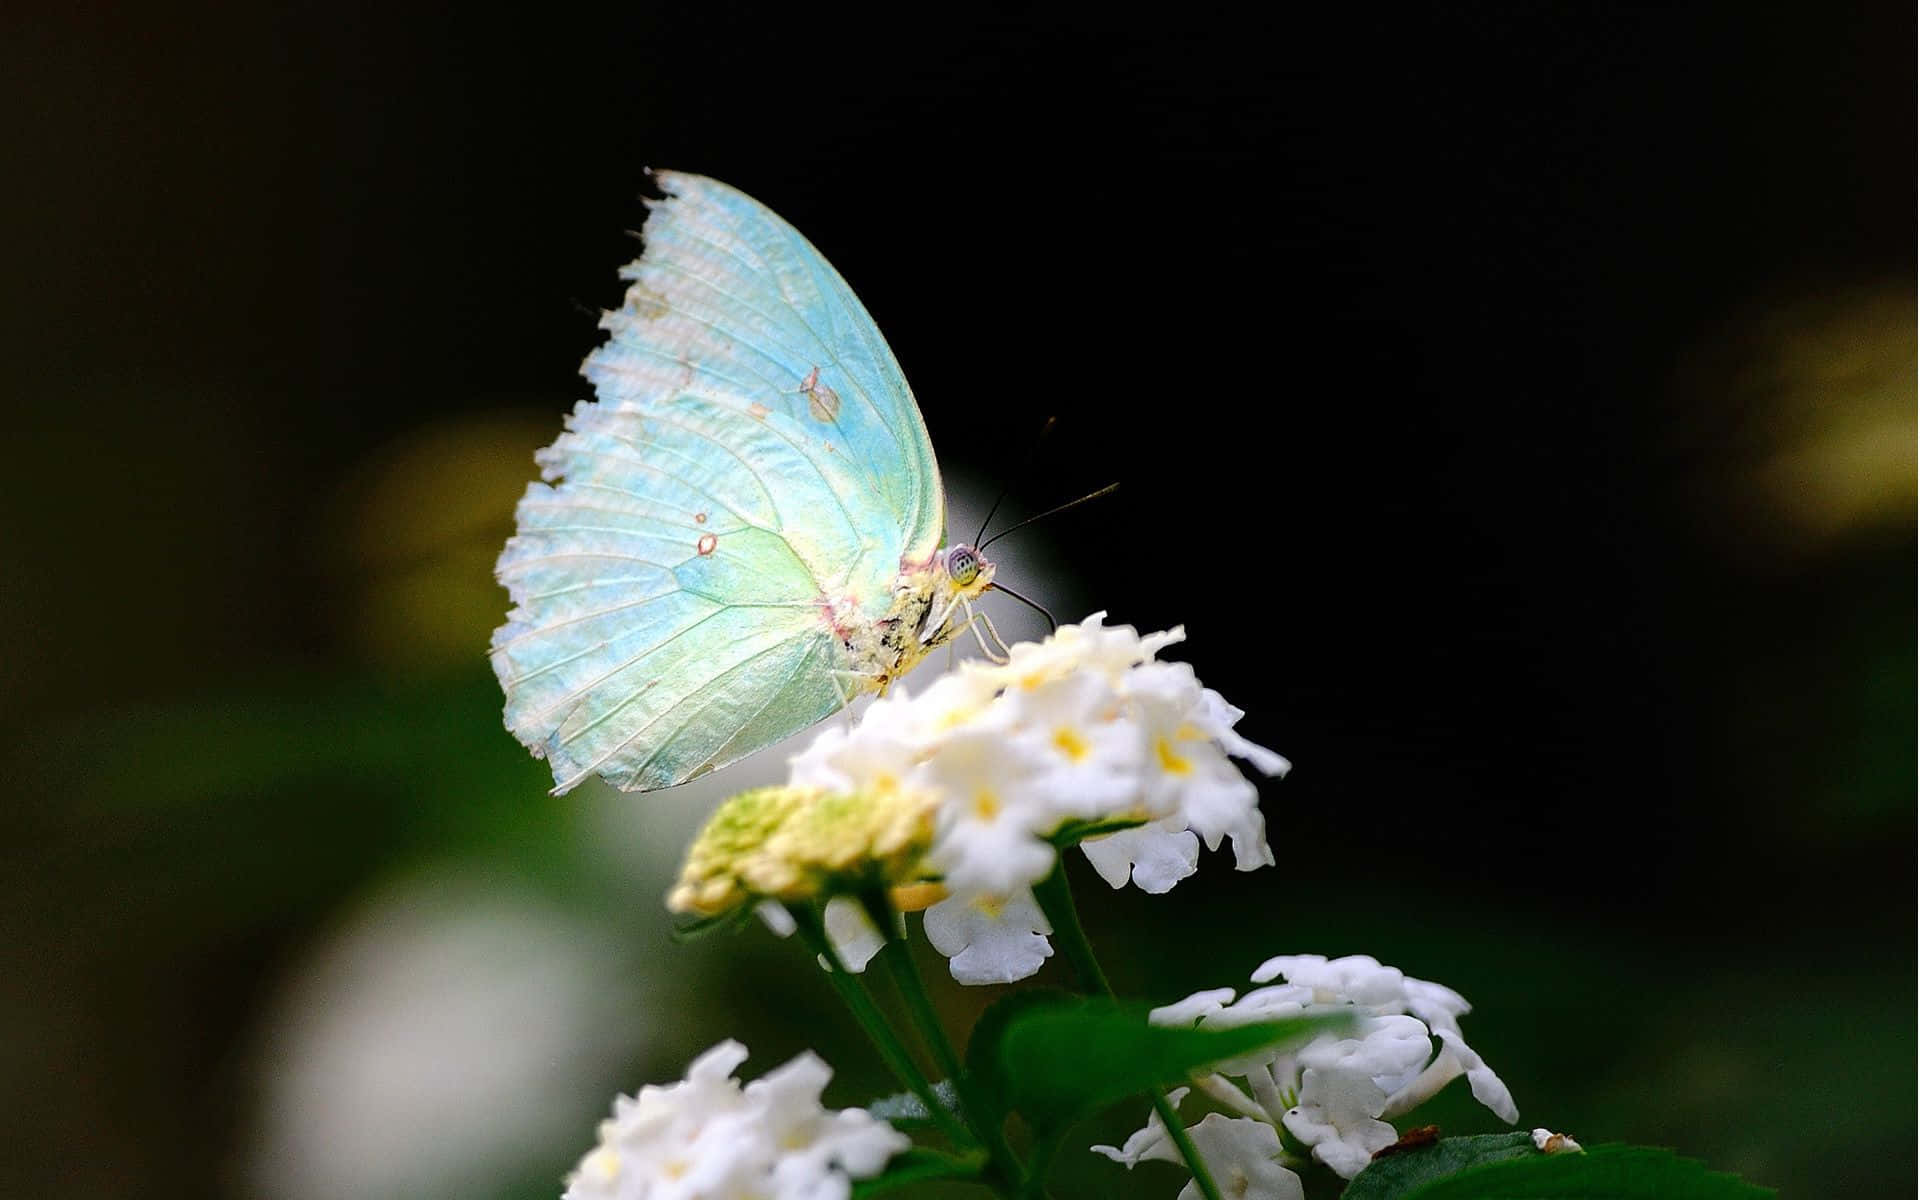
(776, 918)
(853, 934)
(1221, 717)
(1182, 1014)
(1355, 979)
(706, 1136)
(990, 830)
(1486, 1086)
(1240, 1155)
(1155, 857)
(1338, 1116)
(990, 939)
(1440, 1007)
(1337, 1093)
(1151, 1142)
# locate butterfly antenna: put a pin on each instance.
(1058, 508)
(1017, 474)
(1053, 626)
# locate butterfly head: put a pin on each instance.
(966, 569)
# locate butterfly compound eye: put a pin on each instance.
(963, 565)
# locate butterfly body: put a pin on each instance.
(880, 651)
(741, 531)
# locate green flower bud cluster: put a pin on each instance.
(793, 843)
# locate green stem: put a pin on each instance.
(853, 993)
(1042, 1162)
(898, 957)
(1056, 901)
(1177, 1130)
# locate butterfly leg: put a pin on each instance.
(936, 628)
(846, 696)
(850, 684)
(977, 619)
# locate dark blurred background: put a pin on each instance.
(1516, 403)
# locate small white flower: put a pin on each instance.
(960, 697)
(1338, 1092)
(1355, 979)
(1090, 645)
(1338, 1116)
(1154, 856)
(823, 1149)
(1187, 772)
(1150, 1142)
(708, 1138)
(1090, 755)
(875, 754)
(990, 939)
(1242, 1155)
(1391, 1047)
(986, 837)
(852, 932)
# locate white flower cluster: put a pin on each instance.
(1334, 1094)
(707, 1138)
(1086, 727)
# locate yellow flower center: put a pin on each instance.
(1170, 762)
(1071, 743)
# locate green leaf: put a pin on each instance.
(1054, 1057)
(1494, 1168)
(919, 1166)
(1400, 1173)
(903, 1110)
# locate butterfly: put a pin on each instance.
(742, 531)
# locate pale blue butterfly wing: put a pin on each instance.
(753, 452)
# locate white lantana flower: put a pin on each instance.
(1337, 1093)
(707, 1138)
(990, 939)
(1151, 1142)
(1339, 1117)
(1155, 856)
(1188, 771)
(988, 835)
(1085, 728)
(1242, 1155)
